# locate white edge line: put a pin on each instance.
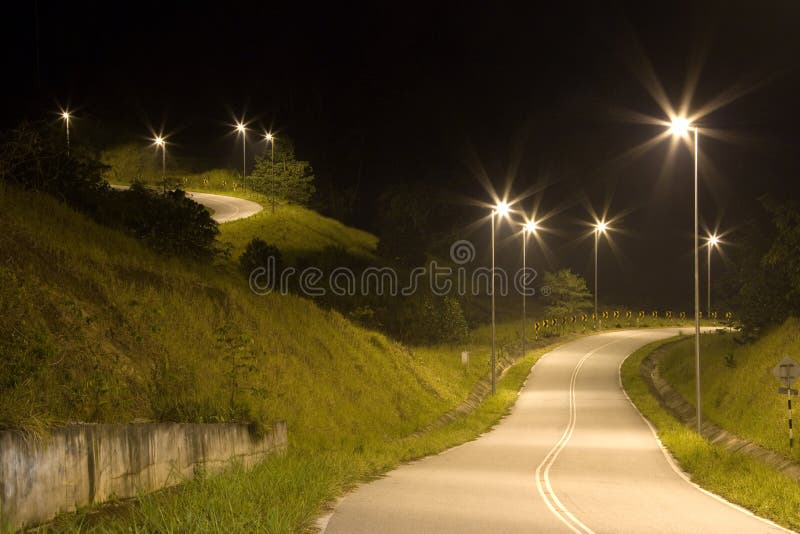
(674, 465)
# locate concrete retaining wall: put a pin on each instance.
(83, 464)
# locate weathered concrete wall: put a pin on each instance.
(82, 464)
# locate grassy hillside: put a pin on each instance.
(296, 231)
(95, 327)
(731, 474)
(739, 391)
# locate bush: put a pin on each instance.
(169, 222)
(35, 158)
(257, 254)
(426, 319)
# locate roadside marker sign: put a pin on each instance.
(787, 372)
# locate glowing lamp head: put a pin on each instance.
(713, 240)
(269, 137)
(159, 140)
(240, 127)
(679, 126)
(530, 227)
(601, 227)
(66, 115)
(502, 208)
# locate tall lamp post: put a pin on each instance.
(599, 228)
(680, 127)
(242, 129)
(160, 143)
(713, 241)
(66, 116)
(269, 138)
(502, 208)
(528, 228)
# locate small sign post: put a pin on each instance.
(465, 360)
(787, 371)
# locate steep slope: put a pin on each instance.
(96, 327)
(739, 390)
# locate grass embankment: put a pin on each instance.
(732, 475)
(296, 231)
(96, 327)
(739, 391)
(285, 494)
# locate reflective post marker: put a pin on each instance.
(787, 371)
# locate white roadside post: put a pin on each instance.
(787, 372)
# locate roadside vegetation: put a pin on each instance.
(122, 306)
(739, 391)
(735, 476)
(286, 493)
(296, 231)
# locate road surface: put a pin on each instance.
(225, 208)
(573, 455)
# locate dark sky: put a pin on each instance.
(381, 93)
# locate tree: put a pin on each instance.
(403, 226)
(568, 293)
(283, 177)
(34, 156)
(765, 282)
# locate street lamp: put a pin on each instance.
(241, 128)
(66, 116)
(599, 228)
(528, 228)
(713, 241)
(680, 127)
(162, 144)
(501, 208)
(269, 138)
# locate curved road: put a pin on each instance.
(573, 455)
(225, 208)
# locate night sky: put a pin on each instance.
(374, 95)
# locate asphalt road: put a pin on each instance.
(225, 208)
(574, 455)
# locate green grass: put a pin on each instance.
(734, 476)
(296, 231)
(743, 399)
(96, 327)
(285, 494)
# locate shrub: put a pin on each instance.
(169, 222)
(426, 319)
(33, 157)
(257, 254)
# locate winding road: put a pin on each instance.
(574, 455)
(224, 208)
